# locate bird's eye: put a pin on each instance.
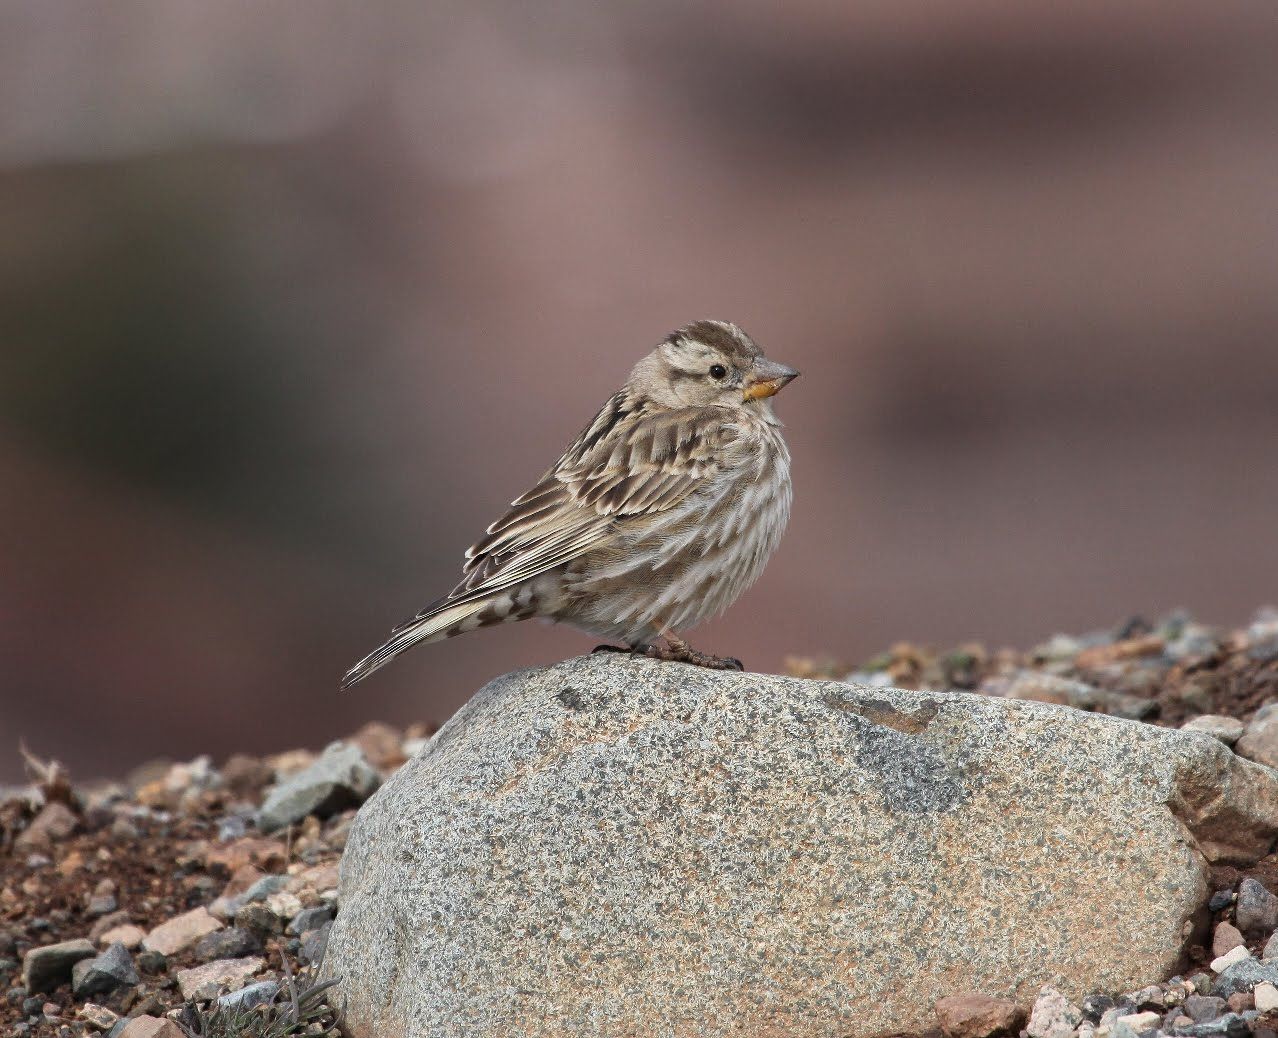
(717, 371)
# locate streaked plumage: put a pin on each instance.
(657, 517)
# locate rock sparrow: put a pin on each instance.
(656, 517)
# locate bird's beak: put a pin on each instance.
(767, 379)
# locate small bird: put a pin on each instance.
(655, 518)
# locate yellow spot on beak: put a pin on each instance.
(760, 390)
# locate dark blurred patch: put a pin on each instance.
(842, 93)
(170, 324)
(951, 385)
(134, 352)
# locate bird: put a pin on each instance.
(656, 518)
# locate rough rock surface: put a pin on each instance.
(614, 845)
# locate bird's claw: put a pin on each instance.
(681, 653)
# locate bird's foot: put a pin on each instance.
(681, 652)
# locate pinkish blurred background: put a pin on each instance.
(293, 298)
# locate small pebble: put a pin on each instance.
(1256, 910)
(1135, 1024)
(99, 1017)
(1230, 958)
(124, 830)
(106, 972)
(250, 996)
(1271, 948)
(180, 932)
(1231, 1025)
(284, 905)
(128, 935)
(1095, 1005)
(44, 968)
(231, 828)
(1225, 939)
(1260, 741)
(148, 1026)
(1266, 997)
(211, 979)
(1227, 729)
(1054, 1016)
(103, 900)
(258, 919)
(1202, 1008)
(1147, 998)
(108, 922)
(54, 824)
(1241, 1001)
(314, 944)
(263, 888)
(309, 919)
(340, 777)
(233, 943)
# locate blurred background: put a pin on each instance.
(295, 297)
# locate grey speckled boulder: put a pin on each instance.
(615, 847)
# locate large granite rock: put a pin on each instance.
(614, 847)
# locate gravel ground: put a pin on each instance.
(168, 872)
(189, 899)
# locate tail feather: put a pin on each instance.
(443, 620)
(432, 626)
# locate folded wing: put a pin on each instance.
(631, 461)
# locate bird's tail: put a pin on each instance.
(445, 619)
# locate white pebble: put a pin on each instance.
(1134, 1024)
(1054, 1016)
(1266, 996)
(284, 905)
(1229, 958)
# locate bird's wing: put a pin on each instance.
(632, 460)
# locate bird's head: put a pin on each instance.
(709, 364)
